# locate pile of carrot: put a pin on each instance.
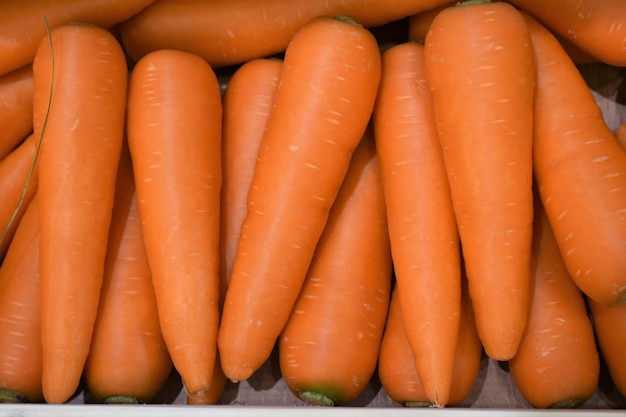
(190, 186)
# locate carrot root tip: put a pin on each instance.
(316, 398)
(121, 399)
(569, 403)
(13, 397)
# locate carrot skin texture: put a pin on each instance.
(22, 23)
(226, 32)
(580, 171)
(320, 114)
(20, 323)
(16, 108)
(422, 225)
(174, 135)
(77, 169)
(483, 88)
(342, 307)
(128, 357)
(557, 364)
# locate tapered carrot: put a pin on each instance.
(581, 173)
(247, 102)
(596, 27)
(341, 310)
(422, 226)
(396, 366)
(482, 88)
(22, 23)
(322, 107)
(77, 168)
(226, 32)
(18, 184)
(557, 364)
(128, 361)
(174, 135)
(20, 344)
(16, 108)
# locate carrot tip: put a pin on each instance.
(316, 398)
(418, 404)
(13, 397)
(569, 403)
(121, 399)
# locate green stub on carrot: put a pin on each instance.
(8, 396)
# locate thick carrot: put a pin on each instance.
(77, 167)
(422, 226)
(322, 107)
(609, 325)
(596, 27)
(16, 108)
(581, 173)
(557, 363)
(342, 307)
(20, 344)
(174, 135)
(17, 188)
(227, 32)
(396, 365)
(482, 88)
(247, 102)
(22, 23)
(128, 361)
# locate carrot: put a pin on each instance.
(396, 365)
(18, 184)
(174, 135)
(422, 226)
(620, 135)
(595, 27)
(322, 107)
(557, 364)
(85, 68)
(419, 23)
(247, 102)
(226, 32)
(482, 87)
(20, 344)
(581, 173)
(22, 23)
(609, 325)
(16, 108)
(341, 310)
(128, 361)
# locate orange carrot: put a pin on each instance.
(22, 23)
(596, 27)
(419, 23)
(482, 88)
(422, 225)
(174, 135)
(226, 32)
(77, 168)
(620, 135)
(128, 361)
(20, 344)
(17, 188)
(342, 307)
(396, 366)
(322, 107)
(16, 108)
(581, 173)
(247, 102)
(557, 363)
(609, 325)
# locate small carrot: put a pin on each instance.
(596, 27)
(580, 171)
(20, 344)
(482, 87)
(77, 167)
(16, 108)
(22, 23)
(557, 363)
(322, 107)
(247, 102)
(128, 361)
(341, 310)
(174, 135)
(422, 225)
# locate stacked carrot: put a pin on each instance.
(152, 223)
